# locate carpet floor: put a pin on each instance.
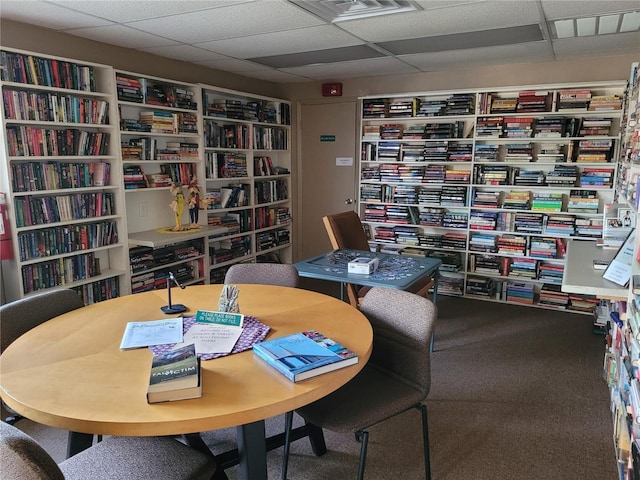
(517, 393)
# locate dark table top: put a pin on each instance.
(394, 271)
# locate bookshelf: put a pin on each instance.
(622, 352)
(61, 175)
(248, 178)
(161, 150)
(493, 182)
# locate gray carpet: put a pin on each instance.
(517, 394)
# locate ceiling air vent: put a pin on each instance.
(343, 10)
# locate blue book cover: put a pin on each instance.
(304, 355)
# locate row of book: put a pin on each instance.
(161, 122)
(59, 272)
(456, 104)
(38, 176)
(226, 165)
(529, 268)
(40, 210)
(26, 141)
(152, 92)
(60, 240)
(147, 148)
(548, 101)
(98, 291)
(263, 111)
(219, 135)
(54, 107)
(390, 131)
(34, 70)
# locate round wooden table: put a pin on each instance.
(70, 372)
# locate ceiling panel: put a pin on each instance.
(358, 68)
(554, 9)
(288, 41)
(230, 22)
(522, 53)
(122, 36)
(121, 11)
(291, 42)
(47, 15)
(453, 19)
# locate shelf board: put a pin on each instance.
(155, 238)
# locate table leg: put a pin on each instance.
(78, 442)
(436, 277)
(252, 450)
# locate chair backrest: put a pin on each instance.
(20, 316)
(280, 274)
(402, 324)
(345, 231)
(22, 457)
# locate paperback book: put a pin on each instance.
(175, 375)
(304, 355)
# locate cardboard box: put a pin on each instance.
(363, 266)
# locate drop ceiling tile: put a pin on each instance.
(233, 65)
(359, 68)
(47, 15)
(122, 36)
(279, 76)
(454, 19)
(614, 43)
(132, 10)
(522, 53)
(279, 43)
(186, 53)
(559, 9)
(230, 22)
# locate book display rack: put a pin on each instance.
(622, 355)
(492, 182)
(105, 169)
(247, 164)
(62, 176)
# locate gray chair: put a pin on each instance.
(20, 316)
(396, 378)
(280, 274)
(283, 275)
(115, 458)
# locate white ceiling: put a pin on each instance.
(244, 36)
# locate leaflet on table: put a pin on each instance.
(152, 332)
(214, 332)
(620, 269)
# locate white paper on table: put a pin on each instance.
(154, 332)
(212, 338)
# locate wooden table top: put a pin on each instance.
(70, 372)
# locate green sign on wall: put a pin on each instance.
(327, 138)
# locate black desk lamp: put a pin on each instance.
(178, 307)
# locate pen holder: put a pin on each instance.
(228, 301)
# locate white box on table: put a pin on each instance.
(363, 265)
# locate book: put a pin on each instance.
(175, 375)
(304, 355)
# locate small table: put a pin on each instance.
(580, 276)
(394, 271)
(70, 373)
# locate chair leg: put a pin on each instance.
(288, 423)
(425, 441)
(316, 437)
(364, 435)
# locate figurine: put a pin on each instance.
(177, 205)
(195, 202)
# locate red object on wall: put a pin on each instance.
(6, 248)
(331, 89)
